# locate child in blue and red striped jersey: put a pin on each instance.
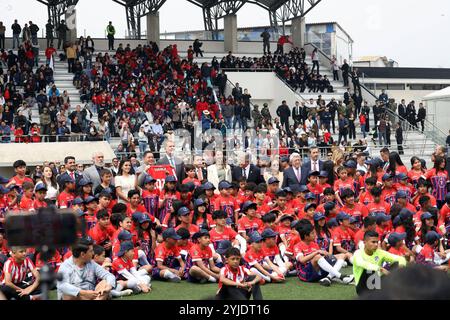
(438, 177)
(150, 196)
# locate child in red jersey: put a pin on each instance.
(323, 180)
(272, 257)
(185, 243)
(200, 265)
(201, 216)
(227, 203)
(66, 197)
(422, 190)
(236, 282)
(344, 182)
(331, 210)
(104, 201)
(103, 232)
(190, 175)
(314, 264)
(308, 213)
(389, 190)
(378, 205)
(284, 229)
(249, 222)
(20, 168)
(222, 231)
(123, 267)
(169, 264)
(281, 203)
(91, 204)
(273, 185)
(431, 255)
(184, 217)
(260, 199)
(397, 246)
(403, 184)
(313, 185)
(343, 236)
(369, 224)
(15, 273)
(270, 220)
(366, 197)
(40, 191)
(352, 208)
(135, 205)
(84, 189)
(254, 259)
(26, 202)
(250, 189)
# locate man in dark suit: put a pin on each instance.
(294, 176)
(314, 163)
(175, 162)
(251, 172)
(297, 113)
(200, 170)
(71, 171)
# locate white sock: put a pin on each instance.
(119, 287)
(283, 270)
(325, 266)
(169, 275)
(132, 284)
(212, 279)
(282, 249)
(116, 293)
(338, 265)
(254, 270)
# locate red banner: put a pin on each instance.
(159, 173)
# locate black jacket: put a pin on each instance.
(421, 115)
(254, 174)
(16, 28)
(283, 112)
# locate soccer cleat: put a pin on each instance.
(326, 282)
(348, 279)
(175, 279)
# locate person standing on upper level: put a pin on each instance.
(266, 41)
(111, 31)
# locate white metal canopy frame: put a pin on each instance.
(280, 11)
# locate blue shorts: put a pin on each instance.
(307, 273)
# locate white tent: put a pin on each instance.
(438, 104)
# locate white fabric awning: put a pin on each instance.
(438, 95)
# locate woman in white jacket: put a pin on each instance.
(219, 171)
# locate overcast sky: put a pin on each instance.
(411, 32)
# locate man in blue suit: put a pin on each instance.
(294, 176)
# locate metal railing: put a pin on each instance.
(49, 138)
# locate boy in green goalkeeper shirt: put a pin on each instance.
(368, 263)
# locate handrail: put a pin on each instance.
(319, 50)
(289, 86)
(438, 138)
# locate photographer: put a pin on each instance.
(80, 274)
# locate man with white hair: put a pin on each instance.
(294, 176)
(251, 172)
(92, 174)
(170, 159)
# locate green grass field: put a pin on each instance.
(292, 289)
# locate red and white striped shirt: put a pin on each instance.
(18, 272)
(241, 274)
